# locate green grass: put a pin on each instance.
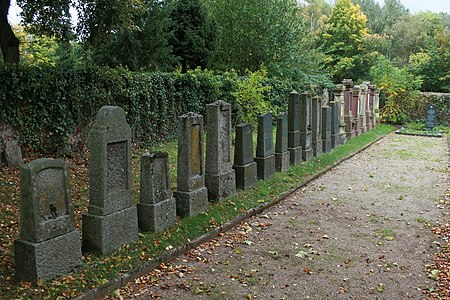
(97, 271)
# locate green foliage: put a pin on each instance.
(392, 113)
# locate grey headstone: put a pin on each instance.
(294, 147)
(104, 226)
(49, 244)
(191, 195)
(156, 207)
(326, 129)
(264, 147)
(244, 164)
(13, 154)
(431, 117)
(282, 155)
(316, 127)
(355, 111)
(335, 121)
(220, 176)
(305, 126)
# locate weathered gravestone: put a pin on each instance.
(220, 176)
(13, 154)
(376, 108)
(316, 127)
(156, 208)
(294, 147)
(355, 110)
(431, 117)
(339, 98)
(369, 106)
(335, 121)
(244, 164)
(49, 244)
(348, 106)
(282, 155)
(265, 159)
(326, 129)
(191, 195)
(112, 217)
(305, 127)
(363, 94)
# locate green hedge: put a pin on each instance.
(416, 108)
(51, 109)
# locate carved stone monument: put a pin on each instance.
(355, 110)
(339, 98)
(363, 94)
(305, 126)
(316, 127)
(369, 106)
(431, 117)
(265, 159)
(294, 147)
(348, 107)
(335, 122)
(244, 164)
(326, 129)
(282, 155)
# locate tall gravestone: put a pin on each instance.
(282, 155)
(191, 195)
(220, 176)
(265, 159)
(244, 164)
(305, 126)
(326, 129)
(335, 121)
(355, 111)
(49, 244)
(363, 93)
(295, 149)
(369, 105)
(316, 127)
(348, 107)
(339, 98)
(376, 107)
(431, 117)
(156, 208)
(112, 217)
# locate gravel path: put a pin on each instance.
(360, 231)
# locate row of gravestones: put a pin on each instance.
(49, 244)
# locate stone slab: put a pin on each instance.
(265, 167)
(157, 217)
(293, 139)
(342, 138)
(282, 161)
(47, 259)
(13, 154)
(191, 203)
(243, 152)
(221, 186)
(307, 154)
(326, 145)
(295, 155)
(334, 140)
(317, 148)
(245, 176)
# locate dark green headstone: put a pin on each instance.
(431, 117)
(305, 112)
(281, 145)
(264, 146)
(294, 112)
(243, 153)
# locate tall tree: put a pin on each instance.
(8, 41)
(373, 12)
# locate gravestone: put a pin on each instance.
(326, 129)
(431, 117)
(294, 147)
(49, 244)
(305, 126)
(316, 127)
(156, 208)
(335, 121)
(244, 164)
(265, 159)
(13, 154)
(363, 94)
(348, 107)
(369, 107)
(339, 98)
(191, 195)
(220, 176)
(376, 107)
(355, 110)
(112, 217)
(282, 155)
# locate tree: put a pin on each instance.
(343, 40)
(194, 34)
(8, 41)
(373, 12)
(313, 10)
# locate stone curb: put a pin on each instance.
(146, 268)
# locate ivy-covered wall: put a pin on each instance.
(416, 109)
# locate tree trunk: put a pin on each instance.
(8, 41)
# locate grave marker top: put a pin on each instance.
(431, 117)
(281, 145)
(264, 145)
(244, 145)
(155, 178)
(294, 112)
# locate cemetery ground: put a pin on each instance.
(293, 216)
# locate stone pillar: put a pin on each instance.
(316, 127)
(264, 148)
(369, 106)
(339, 98)
(191, 195)
(305, 126)
(220, 176)
(244, 164)
(376, 114)
(355, 111)
(282, 155)
(156, 208)
(348, 114)
(112, 217)
(326, 129)
(335, 122)
(49, 244)
(294, 147)
(363, 92)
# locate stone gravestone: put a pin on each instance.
(348, 106)
(49, 244)
(244, 164)
(316, 127)
(220, 176)
(282, 155)
(355, 110)
(191, 195)
(431, 117)
(376, 108)
(335, 121)
(362, 106)
(369, 105)
(326, 129)
(13, 154)
(294, 147)
(305, 127)
(112, 217)
(265, 159)
(340, 99)
(156, 208)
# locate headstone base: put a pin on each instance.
(317, 148)
(342, 138)
(295, 155)
(326, 145)
(47, 259)
(307, 154)
(350, 135)
(245, 176)
(294, 137)
(104, 234)
(334, 140)
(282, 161)
(265, 167)
(220, 186)
(191, 203)
(363, 130)
(157, 217)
